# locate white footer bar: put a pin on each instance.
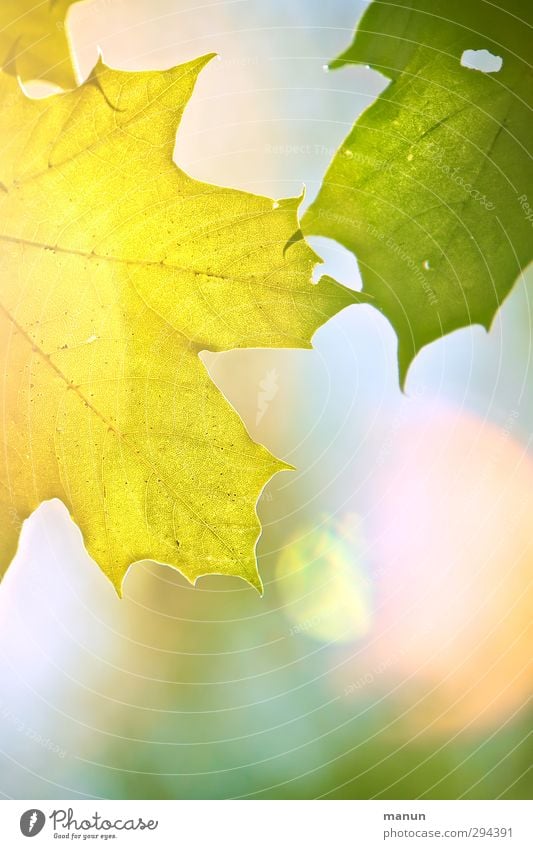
(268, 824)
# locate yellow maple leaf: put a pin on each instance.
(34, 41)
(118, 269)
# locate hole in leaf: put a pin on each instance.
(481, 60)
(337, 261)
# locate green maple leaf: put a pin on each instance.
(433, 188)
(118, 269)
(34, 42)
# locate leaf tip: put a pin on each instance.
(255, 581)
(118, 582)
(204, 60)
(407, 353)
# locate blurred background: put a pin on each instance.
(389, 655)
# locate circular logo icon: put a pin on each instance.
(32, 822)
